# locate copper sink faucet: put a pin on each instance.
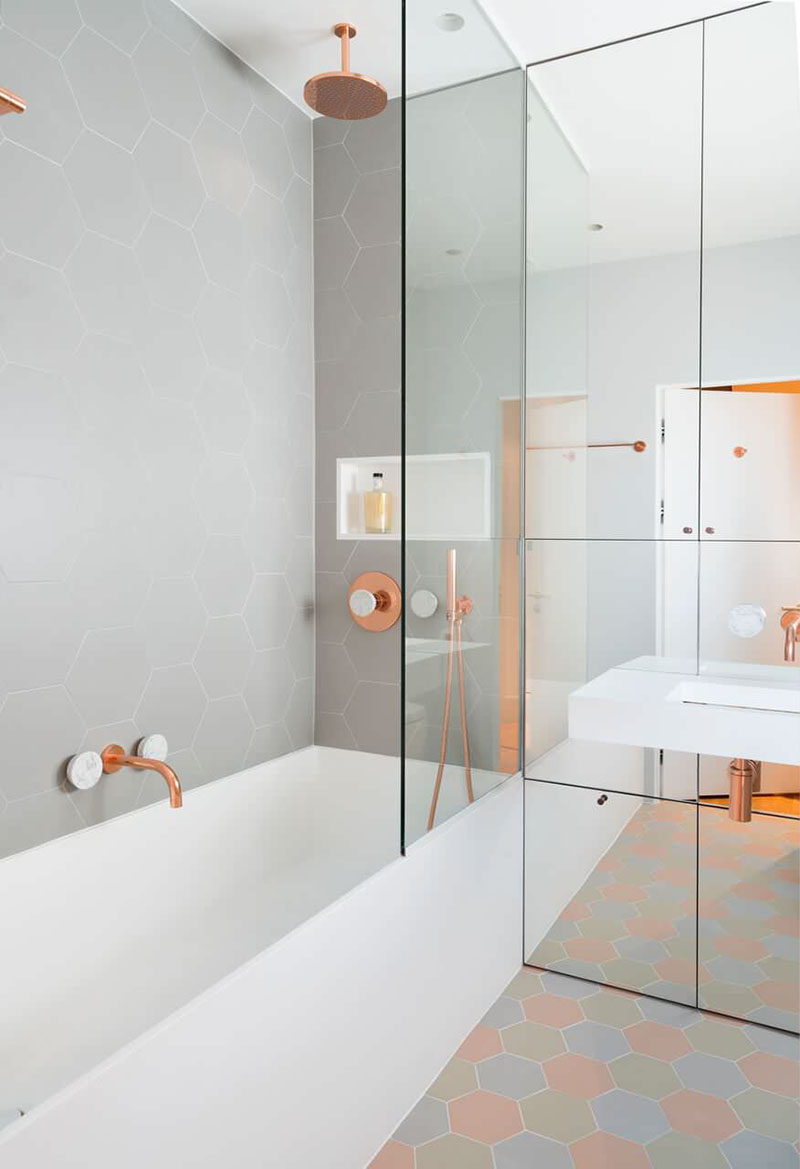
(114, 757)
(790, 623)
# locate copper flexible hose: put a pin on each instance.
(455, 652)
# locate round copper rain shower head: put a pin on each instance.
(342, 94)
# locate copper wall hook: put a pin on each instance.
(739, 452)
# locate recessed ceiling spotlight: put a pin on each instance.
(450, 22)
(596, 226)
(452, 251)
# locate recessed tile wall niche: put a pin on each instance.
(156, 420)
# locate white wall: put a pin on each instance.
(312, 1053)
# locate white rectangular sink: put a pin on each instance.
(754, 717)
(738, 694)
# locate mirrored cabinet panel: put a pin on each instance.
(614, 200)
(748, 914)
(663, 513)
(618, 904)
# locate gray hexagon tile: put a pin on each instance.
(106, 88)
(169, 84)
(223, 737)
(268, 153)
(39, 730)
(52, 123)
(41, 218)
(171, 265)
(51, 24)
(107, 187)
(173, 620)
(223, 163)
(39, 323)
(222, 82)
(108, 287)
(172, 704)
(268, 686)
(224, 574)
(224, 657)
(169, 172)
(122, 24)
(220, 238)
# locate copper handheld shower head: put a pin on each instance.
(342, 94)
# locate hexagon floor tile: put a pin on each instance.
(709, 1094)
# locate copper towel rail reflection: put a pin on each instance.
(638, 446)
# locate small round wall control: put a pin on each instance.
(84, 770)
(746, 620)
(153, 747)
(424, 603)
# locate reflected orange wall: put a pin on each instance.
(510, 627)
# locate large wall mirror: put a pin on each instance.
(662, 517)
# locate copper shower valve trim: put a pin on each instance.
(375, 601)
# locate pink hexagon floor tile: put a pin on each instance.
(552, 1009)
(484, 1116)
(578, 1075)
(601, 1150)
(480, 1044)
(393, 1155)
(701, 1116)
(657, 1039)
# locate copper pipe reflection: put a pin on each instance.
(745, 778)
(114, 758)
(638, 446)
(457, 609)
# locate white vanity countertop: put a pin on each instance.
(755, 717)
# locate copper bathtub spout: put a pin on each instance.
(114, 757)
(790, 624)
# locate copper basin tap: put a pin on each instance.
(790, 624)
(114, 757)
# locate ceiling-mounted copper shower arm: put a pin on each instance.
(342, 93)
(11, 103)
(345, 32)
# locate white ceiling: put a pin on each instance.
(288, 43)
(538, 29)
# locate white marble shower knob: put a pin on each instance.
(746, 620)
(84, 770)
(424, 603)
(362, 602)
(153, 747)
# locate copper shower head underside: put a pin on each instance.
(342, 94)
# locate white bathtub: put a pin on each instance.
(119, 937)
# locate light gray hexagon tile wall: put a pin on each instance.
(357, 331)
(156, 408)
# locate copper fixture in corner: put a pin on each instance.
(11, 103)
(342, 94)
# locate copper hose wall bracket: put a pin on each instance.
(388, 601)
